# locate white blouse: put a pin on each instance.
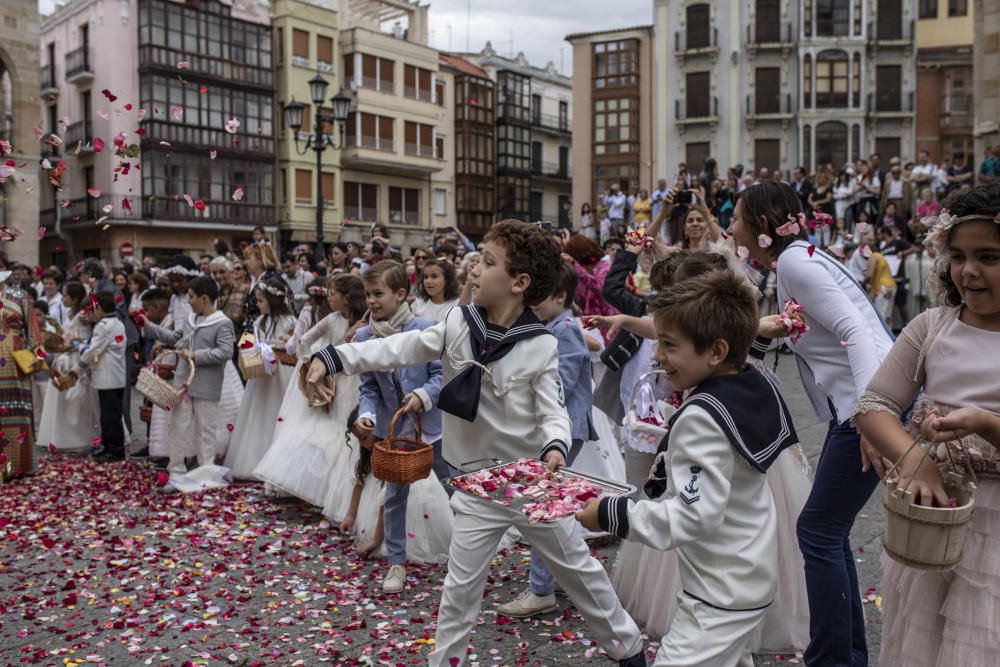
(847, 339)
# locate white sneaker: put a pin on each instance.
(395, 580)
(527, 604)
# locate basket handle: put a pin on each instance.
(926, 453)
(187, 383)
(389, 439)
(635, 386)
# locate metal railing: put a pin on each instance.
(165, 207)
(682, 44)
(556, 170)
(551, 121)
(78, 62)
(372, 143)
(177, 134)
(421, 94)
(381, 85)
(769, 105)
(956, 105)
(689, 110)
(896, 102)
(48, 78)
(418, 150)
(761, 33)
(404, 217)
(905, 31)
(80, 131)
(367, 214)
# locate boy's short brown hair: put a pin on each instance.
(529, 250)
(718, 305)
(662, 272)
(393, 274)
(565, 283)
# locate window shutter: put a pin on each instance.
(327, 179)
(385, 124)
(303, 186)
(300, 43)
(324, 49)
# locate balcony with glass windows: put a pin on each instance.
(690, 43)
(193, 137)
(890, 104)
(761, 108)
(697, 111)
(222, 69)
(79, 68)
(166, 208)
(957, 114)
(770, 36)
(379, 155)
(47, 87)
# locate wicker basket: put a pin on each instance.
(64, 381)
(158, 390)
(927, 538)
(284, 358)
(146, 412)
(251, 360)
(402, 460)
(330, 381)
(53, 342)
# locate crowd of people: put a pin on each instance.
(633, 350)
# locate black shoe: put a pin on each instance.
(140, 454)
(159, 462)
(109, 457)
(637, 660)
(98, 451)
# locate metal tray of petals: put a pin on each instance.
(516, 505)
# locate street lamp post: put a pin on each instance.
(318, 141)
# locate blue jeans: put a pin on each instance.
(396, 496)
(840, 490)
(540, 580)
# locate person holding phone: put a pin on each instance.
(699, 226)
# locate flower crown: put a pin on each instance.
(270, 289)
(177, 268)
(318, 290)
(938, 228)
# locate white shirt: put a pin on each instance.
(895, 189)
(57, 310)
(616, 205)
(837, 309)
(661, 194)
(436, 312)
(929, 170)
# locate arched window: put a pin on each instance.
(831, 143)
(831, 79)
(807, 73)
(698, 27)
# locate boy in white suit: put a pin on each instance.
(714, 506)
(502, 398)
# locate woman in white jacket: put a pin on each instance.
(844, 345)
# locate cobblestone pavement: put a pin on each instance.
(97, 567)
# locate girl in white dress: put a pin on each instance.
(67, 420)
(258, 415)
(437, 291)
(307, 441)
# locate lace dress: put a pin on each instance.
(70, 418)
(944, 618)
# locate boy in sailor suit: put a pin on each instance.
(502, 397)
(710, 498)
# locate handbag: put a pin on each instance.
(621, 350)
(25, 360)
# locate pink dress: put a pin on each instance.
(588, 290)
(947, 618)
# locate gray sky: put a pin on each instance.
(536, 27)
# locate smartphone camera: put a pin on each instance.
(683, 197)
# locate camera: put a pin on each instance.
(544, 225)
(684, 197)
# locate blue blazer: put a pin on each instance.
(379, 395)
(575, 374)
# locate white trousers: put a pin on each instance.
(702, 635)
(478, 528)
(193, 420)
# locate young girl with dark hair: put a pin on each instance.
(304, 451)
(257, 418)
(437, 290)
(846, 341)
(946, 617)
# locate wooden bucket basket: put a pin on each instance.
(158, 390)
(402, 460)
(927, 538)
